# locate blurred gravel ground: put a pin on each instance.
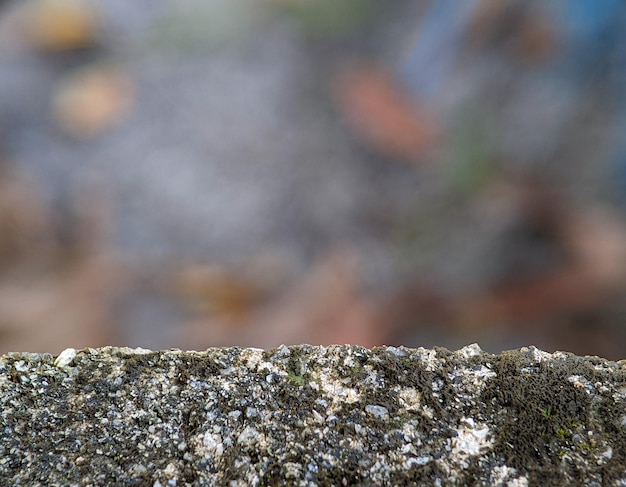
(230, 154)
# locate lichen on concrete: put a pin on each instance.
(340, 415)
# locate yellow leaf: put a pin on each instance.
(60, 25)
(92, 100)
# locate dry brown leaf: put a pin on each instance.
(217, 292)
(535, 300)
(536, 40)
(598, 240)
(52, 296)
(590, 264)
(26, 230)
(486, 15)
(382, 115)
(59, 25)
(325, 307)
(92, 100)
(47, 313)
(560, 264)
(497, 23)
(419, 304)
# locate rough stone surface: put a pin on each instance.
(340, 415)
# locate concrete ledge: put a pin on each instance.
(305, 415)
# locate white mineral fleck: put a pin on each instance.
(539, 355)
(470, 440)
(65, 357)
(348, 360)
(252, 357)
(138, 470)
(321, 403)
(428, 411)
(140, 351)
(379, 412)
(429, 357)
(337, 391)
(518, 482)
(409, 398)
(528, 370)
(484, 372)
(506, 476)
(581, 383)
(396, 351)
(470, 351)
(171, 471)
(212, 444)
(21, 366)
(282, 351)
(234, 414)
(248, 436)
(419, 461)
(269, 366)
(606, 456)
(292, 470)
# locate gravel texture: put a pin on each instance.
(304, 415)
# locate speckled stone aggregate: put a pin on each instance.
(340, 415)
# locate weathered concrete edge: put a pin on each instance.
(312, 415)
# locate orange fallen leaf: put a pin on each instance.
(217, 292)
(92, 100)
(60, 25)
(325, 307)
(384, 117)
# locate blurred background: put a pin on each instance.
(257, 172)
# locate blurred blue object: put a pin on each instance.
(587, 33)
(438, 46)
(546, 100)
